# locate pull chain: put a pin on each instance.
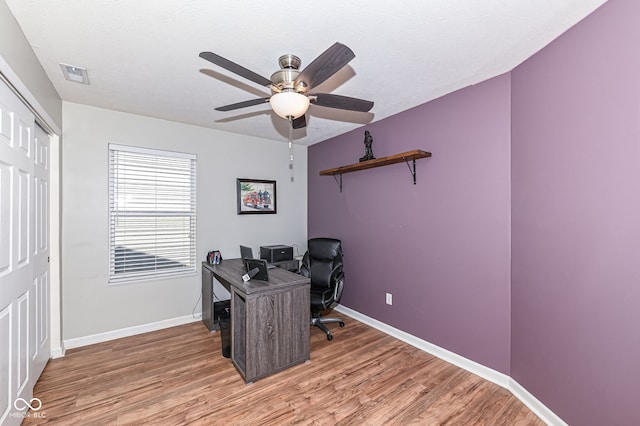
(290, 141)
(291, 148)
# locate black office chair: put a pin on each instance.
(322, 263)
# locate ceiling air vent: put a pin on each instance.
(75, 74)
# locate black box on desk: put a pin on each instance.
(278, 253)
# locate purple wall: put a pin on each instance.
(441, 247)
(535, 174)
(576, 220)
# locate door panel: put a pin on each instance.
(6, 347)
(42, 311)
(22, 329)
(23, 237)
(40, 324)
(24, 251)
(5, 215)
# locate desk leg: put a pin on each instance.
(238, 332)
(207, 299)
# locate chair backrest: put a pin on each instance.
(324, 256)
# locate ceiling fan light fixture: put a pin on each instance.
(289, 104)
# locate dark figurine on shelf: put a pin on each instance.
(368, 150)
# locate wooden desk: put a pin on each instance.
(269, 319)
(292, 265)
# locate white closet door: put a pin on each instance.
(24, 251)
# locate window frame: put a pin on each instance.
(181, 209)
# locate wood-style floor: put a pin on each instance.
(177, 376)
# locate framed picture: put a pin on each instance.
(256, 196)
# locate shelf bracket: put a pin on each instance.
(339, 182)
(412, 170)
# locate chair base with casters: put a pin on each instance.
(318, 321)
(322, 263)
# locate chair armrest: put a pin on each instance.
(336, 273)
(305, 267)
(338, 279)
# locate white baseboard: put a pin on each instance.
(126, 332)
(57, 352)
(546, 415)
(487, 373)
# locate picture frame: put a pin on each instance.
(256, 196)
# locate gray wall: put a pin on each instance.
(17, 58)
(91, 306)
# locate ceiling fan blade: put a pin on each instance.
(299, 123)
(341, 102)
(243, 104)
(325, 65)
(235, 68)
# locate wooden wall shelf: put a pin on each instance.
(379, 162)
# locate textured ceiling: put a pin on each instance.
(142, 55)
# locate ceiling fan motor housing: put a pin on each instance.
(283, 79)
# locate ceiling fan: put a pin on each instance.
(289, 98)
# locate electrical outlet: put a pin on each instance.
(389, 299)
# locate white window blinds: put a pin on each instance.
(152, 213)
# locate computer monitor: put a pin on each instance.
(246, 252)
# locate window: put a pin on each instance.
(152, 213)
